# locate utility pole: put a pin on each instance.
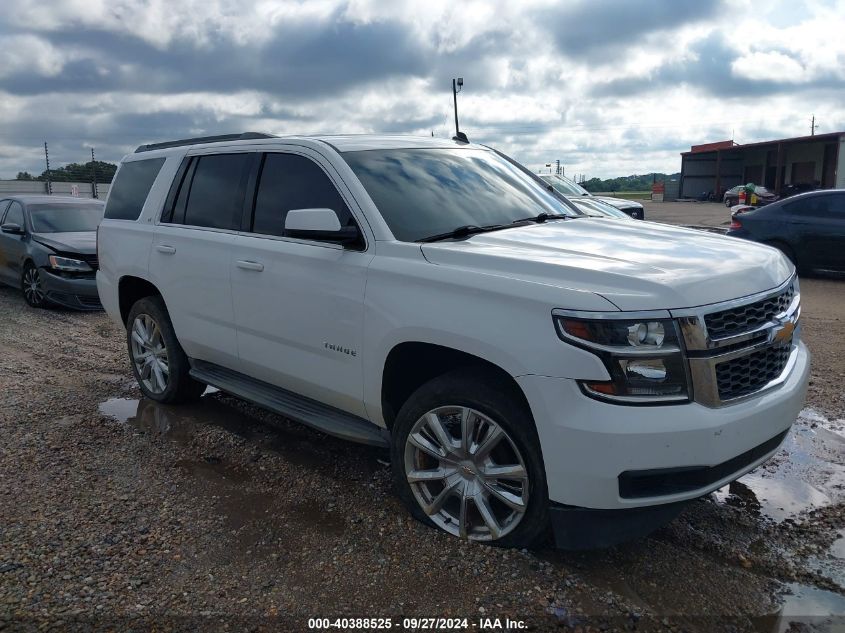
(813, 126)
(47, 160)
(457, 84)
(93, 175)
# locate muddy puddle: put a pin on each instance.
(807, 473)
(249, 512)
(180, 423)
(807, 608)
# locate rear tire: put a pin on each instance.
(462, 489)
(158, 361)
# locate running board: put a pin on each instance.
(290, 405)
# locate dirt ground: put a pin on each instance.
(704, 214)
(117, 513)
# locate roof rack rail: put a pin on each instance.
(245, 136)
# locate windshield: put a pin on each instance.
(65, 218)
(566, 187)
(425, 192)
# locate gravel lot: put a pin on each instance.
(118, 513)
(690, 213)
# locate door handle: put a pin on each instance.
(248, 265)
(164, 248)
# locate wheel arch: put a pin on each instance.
(130, 290)
(410, 364)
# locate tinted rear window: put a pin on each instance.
(215, 198)
(289, 181)
(821, 206)
(131, 187)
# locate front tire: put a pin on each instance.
(32, 287)
(159, 363)
(466, 459)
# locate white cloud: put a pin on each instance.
(772, 66)
(28, 53)
(120, 72)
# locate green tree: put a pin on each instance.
(24, 175)
(637, 182)
(81, 172)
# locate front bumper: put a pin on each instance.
(76, 293)
(582, 528)
(588, 446)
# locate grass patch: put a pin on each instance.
(628, 195)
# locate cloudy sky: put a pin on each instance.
(609, 87)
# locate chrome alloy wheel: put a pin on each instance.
(466, 473)
(149, 353)
(32, 288)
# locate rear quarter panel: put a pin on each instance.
(123, 246)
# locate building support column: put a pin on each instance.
(718, 188)
(779, 170)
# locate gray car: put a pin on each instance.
(48, 249)
(573, 190)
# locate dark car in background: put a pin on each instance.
(809, 228)
(48, 249)
(764, 196)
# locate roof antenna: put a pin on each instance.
(457, 85)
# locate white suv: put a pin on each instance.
(525, 365)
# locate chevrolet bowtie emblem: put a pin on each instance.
(783, 334)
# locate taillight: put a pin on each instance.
(735, 223)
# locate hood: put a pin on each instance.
(83, 243)
(635, 265)
(619, 203)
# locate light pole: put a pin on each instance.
(457, 84)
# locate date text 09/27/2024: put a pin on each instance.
(417, 624)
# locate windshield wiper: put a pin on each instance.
(539, 219)
(463, 231)
(472, 229)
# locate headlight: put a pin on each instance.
(69, 265)
(642, 356)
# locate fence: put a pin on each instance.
(38, 187)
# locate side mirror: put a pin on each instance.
(12, 229)
(319, 224)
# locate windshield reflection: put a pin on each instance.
(425, 192)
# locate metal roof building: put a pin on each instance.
(716, 167)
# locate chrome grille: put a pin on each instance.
(745, 375)
(741, 347)
(748, 317)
